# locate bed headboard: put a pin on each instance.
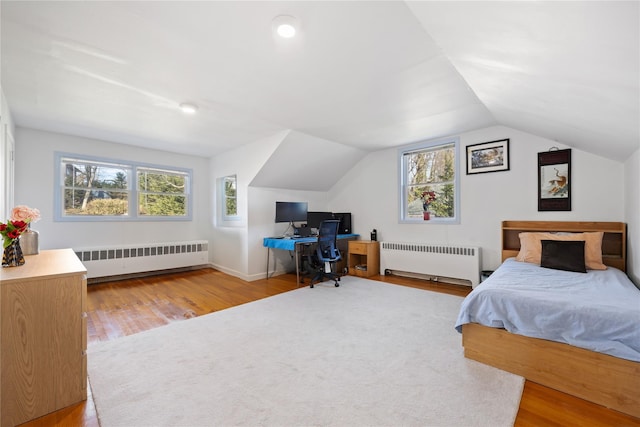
(614, 242)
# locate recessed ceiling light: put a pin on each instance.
(285, 26)
(188, 108)
(286, 30)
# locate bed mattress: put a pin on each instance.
(597, 310)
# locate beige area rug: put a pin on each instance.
(364, 354)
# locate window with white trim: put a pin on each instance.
(92, 189)
(230, 198)
(429, 185)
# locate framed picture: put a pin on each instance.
(490, 156)
(554, 180)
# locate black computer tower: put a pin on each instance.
(345, 222)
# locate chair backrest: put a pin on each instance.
(327, 249)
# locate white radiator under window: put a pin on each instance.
(128, 259)
(441, 262)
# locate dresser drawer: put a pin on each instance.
(356, 247)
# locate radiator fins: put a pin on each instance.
(456, 264)
(412, 247)
(129, 259)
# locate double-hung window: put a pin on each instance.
(230, 198)
(429, 182)
(92, 189)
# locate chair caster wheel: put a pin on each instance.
(311, 286)
(337, 284)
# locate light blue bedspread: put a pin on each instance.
(597, 310)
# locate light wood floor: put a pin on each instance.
(116, 309)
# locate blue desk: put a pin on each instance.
(288, 244)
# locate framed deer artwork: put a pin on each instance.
(554, 180)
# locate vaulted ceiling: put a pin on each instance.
(368, 75)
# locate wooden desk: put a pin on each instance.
(295, 245)
(43, 336)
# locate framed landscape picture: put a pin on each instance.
(554, 180)
(490, 156)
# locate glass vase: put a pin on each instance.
(12, 255)
(29, 242)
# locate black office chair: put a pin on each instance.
(326, 252)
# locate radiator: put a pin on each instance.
(128, 259)
(440, 262)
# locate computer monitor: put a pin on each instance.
(345, 222)
(291, 211)
(314, 219)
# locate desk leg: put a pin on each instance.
(268, 250)
(297, 264)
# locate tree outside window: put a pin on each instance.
(94, 189)
(230, 191)
(161, 192)
(429, 168)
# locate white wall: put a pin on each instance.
(261, 224)
(34, 186)
(632, 215)
(229, 251)
(237, 245)
(370, 192)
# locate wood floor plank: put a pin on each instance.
(126, 307)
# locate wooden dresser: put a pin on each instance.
(43, 339)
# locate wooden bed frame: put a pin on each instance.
(606, 380)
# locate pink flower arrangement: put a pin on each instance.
(21, 217)
(25, 213)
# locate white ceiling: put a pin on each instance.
(368, 75)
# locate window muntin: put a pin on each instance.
(425, 167)
(99, 189)
(230, 197)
